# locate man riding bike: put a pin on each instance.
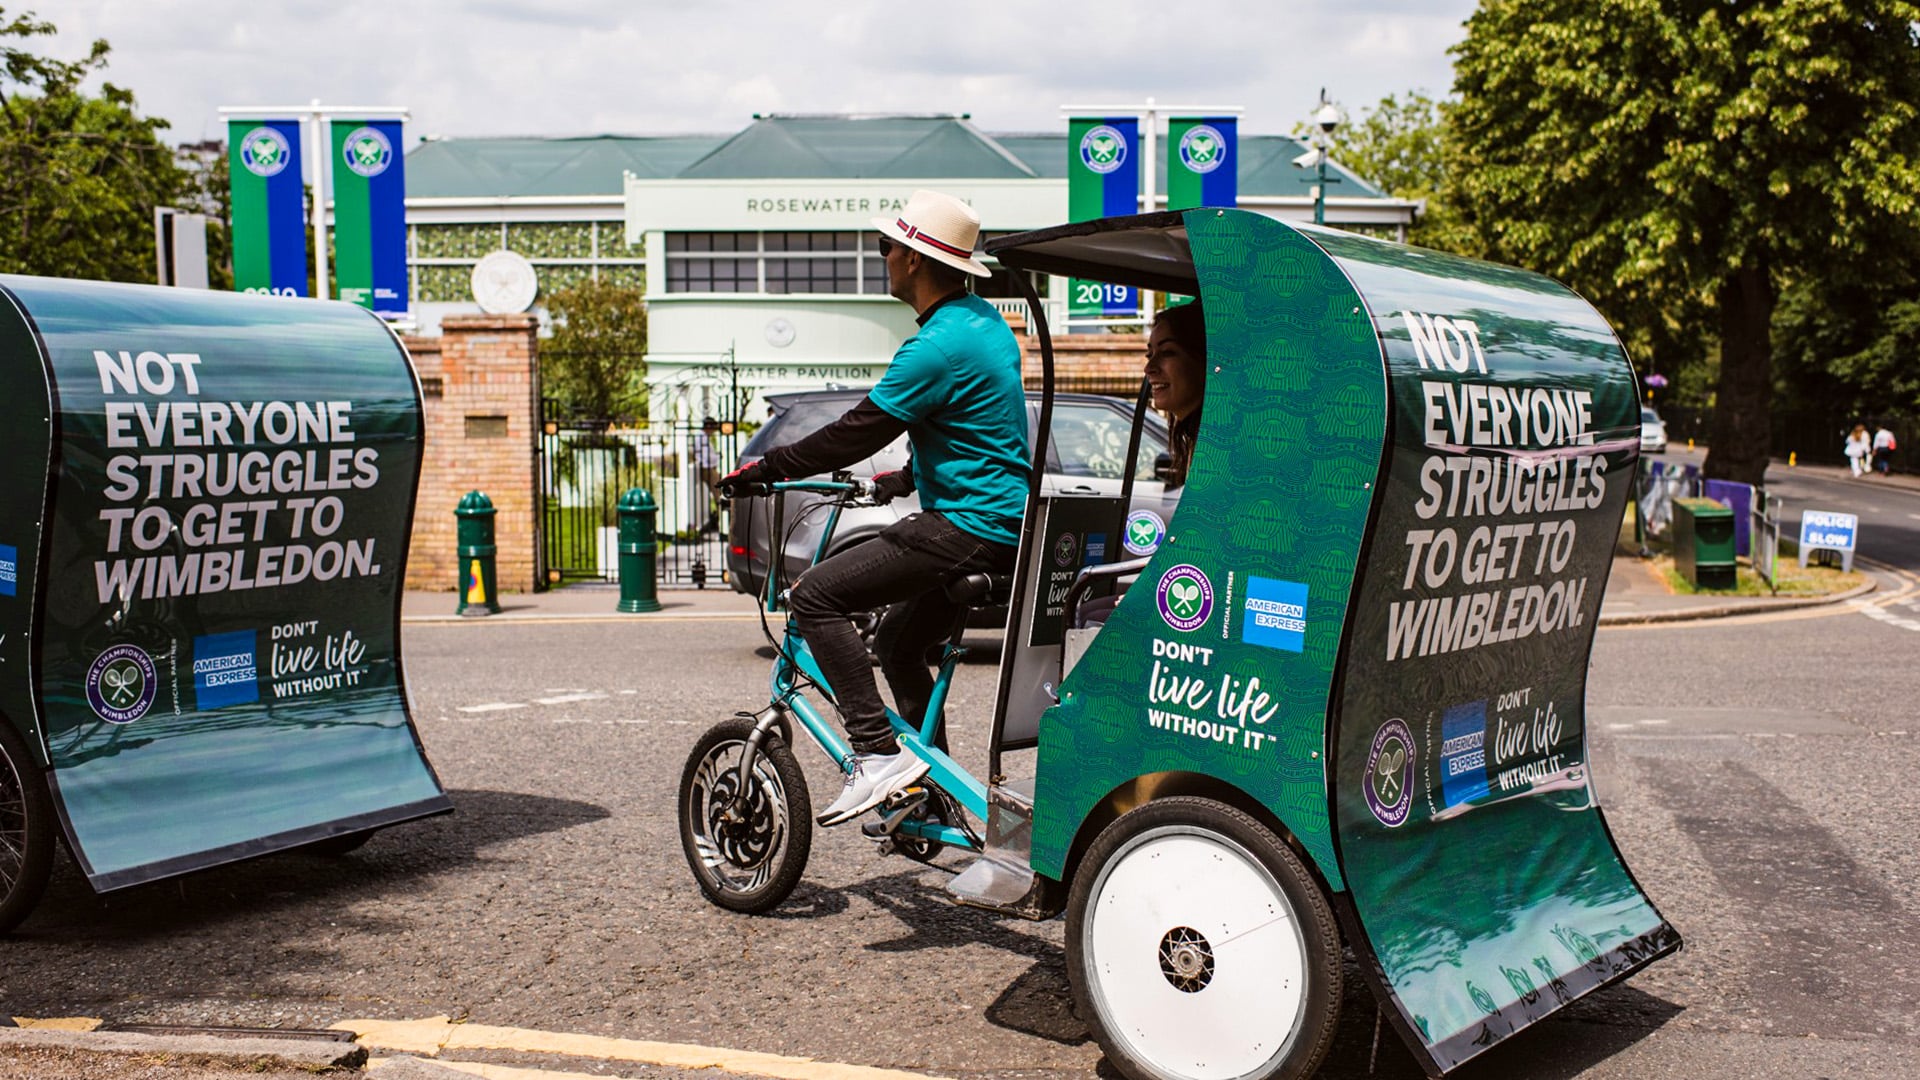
(954, 388)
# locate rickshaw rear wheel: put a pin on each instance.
(26, 830)
(1200, 948)
(747, 849)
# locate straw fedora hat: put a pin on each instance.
(939, 227)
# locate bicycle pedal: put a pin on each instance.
(905, 799)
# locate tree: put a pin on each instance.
(1399, 146)
(79, 174)
(1664, 156)
(592, 364)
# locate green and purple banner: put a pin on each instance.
(269, 207)
(1203, 165)
(1103, 180)
(370, 215)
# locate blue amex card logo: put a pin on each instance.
(1276, 614)
(224, 671)
(9, 570)
(1463, 753)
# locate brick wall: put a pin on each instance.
(1085, 363)
(482, 424)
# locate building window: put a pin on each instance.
(842, 263)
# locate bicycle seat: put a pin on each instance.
(981, 590)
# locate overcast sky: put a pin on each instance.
(541, 67)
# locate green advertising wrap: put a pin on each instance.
(210, 496)
(1370, 619)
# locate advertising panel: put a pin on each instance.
(1103, 180)
(1462, 785)
(370, 215)
(217, 654)
(269, 207)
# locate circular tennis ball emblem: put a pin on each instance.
(1185, 596)
(265, 152)
(1203, 149)
(1103, 149)
(1065, 548)
(367, 151)
(1388, 783)
(121, 684)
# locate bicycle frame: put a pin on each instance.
(794, 666)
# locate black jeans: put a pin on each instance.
(908, 565)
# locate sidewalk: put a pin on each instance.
(1633, 596)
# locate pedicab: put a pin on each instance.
(1342, 699)
(205, 507)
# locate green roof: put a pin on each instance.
(802, 147)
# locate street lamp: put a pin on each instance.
(1325, 119)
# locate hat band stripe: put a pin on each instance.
(916, 234)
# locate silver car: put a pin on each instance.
(1085, 456)
(1653, 431)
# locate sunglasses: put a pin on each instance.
(886, 247)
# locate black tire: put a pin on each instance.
(343, 844)
(750, 865)
(26, 830)
(1164, 958)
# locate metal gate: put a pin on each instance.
(587, 463)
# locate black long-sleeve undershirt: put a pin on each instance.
(860, 433)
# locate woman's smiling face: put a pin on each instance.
(1174, 374)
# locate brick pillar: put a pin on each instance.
(482, 396)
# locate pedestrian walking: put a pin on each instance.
(1859, 446)
(1883, 448)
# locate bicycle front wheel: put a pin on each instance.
(747, 849)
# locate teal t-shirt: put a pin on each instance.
(956, 384)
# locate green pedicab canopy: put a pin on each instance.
(206, 504)
(1374, 606)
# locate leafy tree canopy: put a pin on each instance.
(79, 174)
(592, 363)
(1676, 157)
(1399, 146)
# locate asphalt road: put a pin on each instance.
(1758, 774)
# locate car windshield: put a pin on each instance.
(1648, 416)
(801, 418)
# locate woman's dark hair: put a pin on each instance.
(1188, 325)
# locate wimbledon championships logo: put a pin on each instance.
(1185, 597)
(1388, 784)
(121, 684)
(1203, 149)
(1103, 149)
(368, 152)
(265, 152)
(1144, 532)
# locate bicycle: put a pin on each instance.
(746, 821)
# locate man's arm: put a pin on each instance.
(863, 431)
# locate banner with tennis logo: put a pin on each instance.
(1203, 162)
(370, 215)
(269, 207)
(1103, 180)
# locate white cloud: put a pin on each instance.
(479, 67)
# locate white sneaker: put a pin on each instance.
(872, 778)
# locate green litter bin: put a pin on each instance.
(1703, 542)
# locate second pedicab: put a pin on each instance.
(1341, 698)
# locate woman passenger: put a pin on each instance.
(1177, 380)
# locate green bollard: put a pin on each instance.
(479, 588)
(637, 551)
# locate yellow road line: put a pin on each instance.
(59, 1023)
(436, 1034)
(499, 1072)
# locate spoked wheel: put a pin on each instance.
(1200, 948)
(747, 852)
(26, 830)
